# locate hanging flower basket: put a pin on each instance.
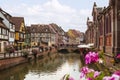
(9, 49)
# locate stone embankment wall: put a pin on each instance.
(7, 63)
(11, 62)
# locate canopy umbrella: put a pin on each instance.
(91, 44)
(83, 46)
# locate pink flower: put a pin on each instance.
(82, 75)
(96, 73)
(71, 78)
(89, 79)
(87, 59)
(118, 56)
(84, 70)
(113, 77)
(91, 57)
(117, 73)
(90, 70)
(108, 78)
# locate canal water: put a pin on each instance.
(52, 67)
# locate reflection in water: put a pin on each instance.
(49, 68)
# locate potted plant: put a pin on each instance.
(9, 49)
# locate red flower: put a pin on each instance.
(118, 56)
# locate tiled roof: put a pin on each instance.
(52, 29)
(55, 27)
(72, 33)
(34, 29)
(58, 29)
(66, 34)
(27, 29)
(17, 21)
(41, 28)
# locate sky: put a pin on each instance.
(69, 14)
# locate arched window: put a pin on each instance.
(109, 23)
(101, 27)
(106, 24)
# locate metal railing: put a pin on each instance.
(13, 55)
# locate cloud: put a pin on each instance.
(51, 12)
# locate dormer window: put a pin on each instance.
(13, 26)
(46, 30)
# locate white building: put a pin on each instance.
(8, 23)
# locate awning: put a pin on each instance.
(91, 44)
(83, 46)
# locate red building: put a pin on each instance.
(104, 30)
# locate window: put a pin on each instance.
(5, 43)
(46, 30)
(12, 35)
(101, 27)
(21, 35)
(3, 31)
(10, 26)
(109, 23)
(13, 26)
(0, 30)
(0, 47)
(31, 34)
(106, 25)
(7, 32)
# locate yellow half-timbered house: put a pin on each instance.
(19, 32)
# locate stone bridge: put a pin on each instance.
(68, 49)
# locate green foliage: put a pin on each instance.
(101, 54)
(90, 75)
(100, 77)
(25, 52)
(9, 49)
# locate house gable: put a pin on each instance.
(5, 21)
(22, 27)
(19, 24)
